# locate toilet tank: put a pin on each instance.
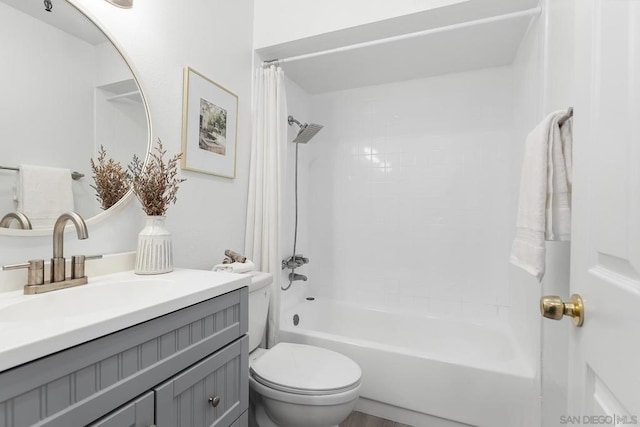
(259, 292)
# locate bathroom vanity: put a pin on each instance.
(169, 351)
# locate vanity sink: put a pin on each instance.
(33, 326)
(86, 300)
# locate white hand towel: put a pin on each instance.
(236, 267)
(544, 208)
(43, 193)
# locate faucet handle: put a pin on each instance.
(77, 264)
(294, 261)
(35, 275)
(15, 266)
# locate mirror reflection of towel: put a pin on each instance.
(43, 193)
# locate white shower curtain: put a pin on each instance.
(266, 180)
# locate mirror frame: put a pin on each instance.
(129, 195)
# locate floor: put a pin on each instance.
(358, 419)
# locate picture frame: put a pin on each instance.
(209, 126)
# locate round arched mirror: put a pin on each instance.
(66, 92)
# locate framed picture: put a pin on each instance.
(209, 126)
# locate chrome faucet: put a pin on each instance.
(293, 262)
(21, 218)
(58, 261)
(35, 279)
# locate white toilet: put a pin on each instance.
(294, 385)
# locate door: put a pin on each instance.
(604, 354)
(212, 393)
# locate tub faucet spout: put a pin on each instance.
(295, 276)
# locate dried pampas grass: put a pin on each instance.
(111, 180)
(155, 183)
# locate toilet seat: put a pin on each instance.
(305, 370)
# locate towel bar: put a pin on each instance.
(74, 175)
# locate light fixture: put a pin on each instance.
(48, 5)
(126, 4)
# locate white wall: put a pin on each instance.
(411, 197)
(160, 38)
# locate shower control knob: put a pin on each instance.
(552, 307)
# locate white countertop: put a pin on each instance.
(32, 326)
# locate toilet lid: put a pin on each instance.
(304, 369)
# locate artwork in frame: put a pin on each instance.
(209, 126)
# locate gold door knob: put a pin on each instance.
(552, 307)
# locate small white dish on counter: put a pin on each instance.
(32, 326)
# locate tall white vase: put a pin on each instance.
(155, 251)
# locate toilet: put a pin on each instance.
(294, 385)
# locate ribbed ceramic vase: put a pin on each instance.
(155, 251)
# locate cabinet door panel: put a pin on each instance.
(138, 413)
(184, 401)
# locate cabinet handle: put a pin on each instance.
(214, 401)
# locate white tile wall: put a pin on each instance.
(410, 194)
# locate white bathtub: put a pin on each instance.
(417, 367)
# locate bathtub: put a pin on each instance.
(420, 370)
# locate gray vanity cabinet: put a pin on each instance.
(138, 413)
(161, 372)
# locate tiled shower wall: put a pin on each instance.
(410, 194)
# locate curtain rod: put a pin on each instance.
(523, 13)
(74, 175)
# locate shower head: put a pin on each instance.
(306, 132)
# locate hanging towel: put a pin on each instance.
(544, 208)
(43, 193)
(236, 267)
